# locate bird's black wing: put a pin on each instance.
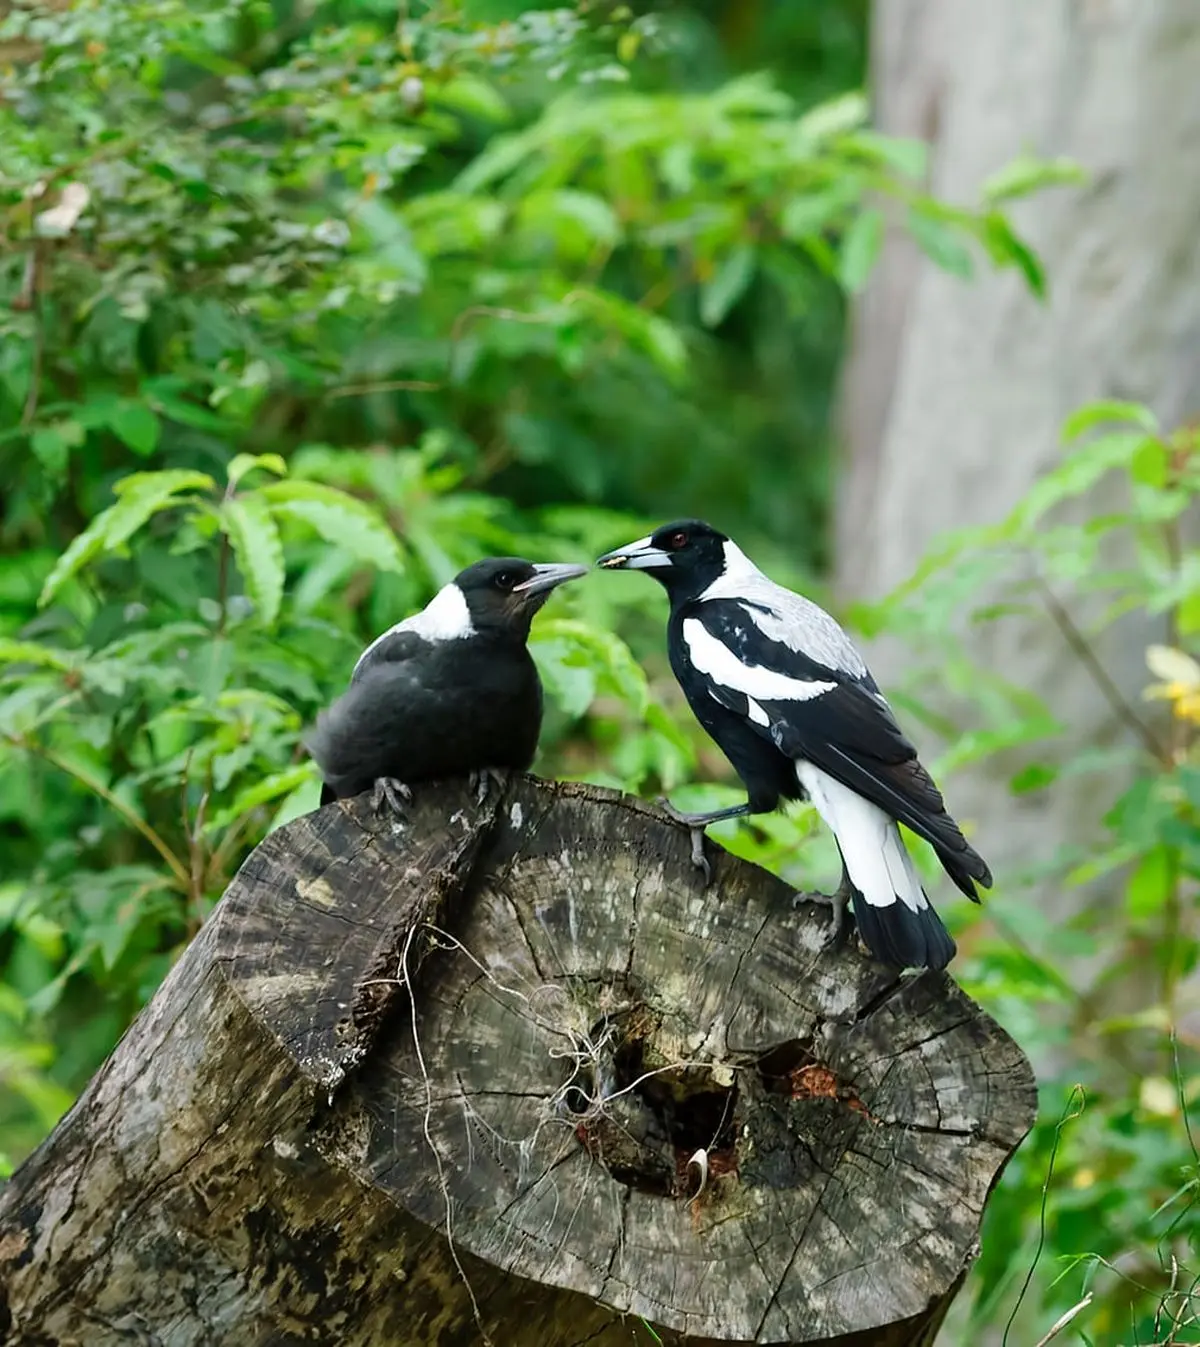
(834, 717)
(393, 647)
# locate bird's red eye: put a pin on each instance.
(677, 540)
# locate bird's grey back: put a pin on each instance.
(791, 619)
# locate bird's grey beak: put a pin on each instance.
(548, 576)
(639, 556)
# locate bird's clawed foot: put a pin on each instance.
(481, 781)
(695, 824)
(392, 792)
(839, 904)
(699, 859)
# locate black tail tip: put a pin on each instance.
(898, 936)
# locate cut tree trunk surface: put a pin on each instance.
(617, 1107)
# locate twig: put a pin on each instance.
(31, 297)
(1061, 1323)
(385, 386)
(1069, 1114)
(1087, 656)
(468, 316)
(131, 817)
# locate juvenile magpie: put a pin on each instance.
(449, 691)
(779, 686)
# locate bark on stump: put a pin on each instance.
(288, 1148)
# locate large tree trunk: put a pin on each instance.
(508, 1072)
(955, 393)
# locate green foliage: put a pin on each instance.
(304, 309)
(244, 225)
(1120, 1215)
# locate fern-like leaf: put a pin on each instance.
(254, 537)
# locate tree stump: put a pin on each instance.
(508, 1072)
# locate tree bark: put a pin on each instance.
(440, 1081)
(954, 394)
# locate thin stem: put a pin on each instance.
(131, 817)
(1112, 694)
(31, 297)
(384, 386)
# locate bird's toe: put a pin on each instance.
(679, 816)
(699, 859)
(841, 913)
(391, 792)
(482, 780)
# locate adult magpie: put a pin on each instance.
(449, 691)
(779, 686)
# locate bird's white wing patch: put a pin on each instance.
(712, 657)
(876, 857)
(445, 617)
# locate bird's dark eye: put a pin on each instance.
(505, 580)
(677, 540)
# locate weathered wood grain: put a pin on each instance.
(288, 1148)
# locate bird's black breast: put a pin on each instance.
(449, 708)
(767, 774)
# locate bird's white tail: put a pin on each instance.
(894, 916)
(877, 860)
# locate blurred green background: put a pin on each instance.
(305, 305)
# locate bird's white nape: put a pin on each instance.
(876, 858)
(713, 658)
(445, 617)
(738, 566)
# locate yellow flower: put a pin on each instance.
(1180, 685)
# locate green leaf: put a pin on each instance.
(833, 118)
(254, 536)
(1081, 470)
(860, 248)
(339, 518)
(241, 464)
(136, 425)
(1100, 413)
(941, 243)
(727, 285)
(140, 495)
(83, 547)
(1149, 464)
(909, 158)
(143, 494)
(263, 791)
(569, 680)
(606, 654)
(31, 652)
(50, 449)
(165, 395)
(1187, 615)
(1151, 882)
(1007, 250)
(1027, 173)
(812, 212)
(592, 213)
(1037, 776)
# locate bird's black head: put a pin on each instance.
(503, 593)
(686, 557)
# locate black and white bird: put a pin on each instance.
(781, 688)
(450, 691)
